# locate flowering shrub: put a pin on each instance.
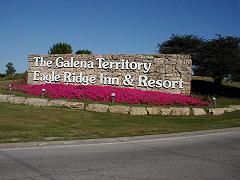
(103, 94)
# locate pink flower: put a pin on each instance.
(103, 94)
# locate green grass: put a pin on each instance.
(226, 101)
(231, 83)
(20, 123)
(221, 101)
(224, 82)
(5, 83)
(203, 78)
(16, 76)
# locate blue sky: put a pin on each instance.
(107, 26)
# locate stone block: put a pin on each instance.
(56, 102)
(4, 98)
(165, 111)
(185, 111)
(74, 105)
(149, 57)
(216, 111)
(138, 111)
(236, 107)
(36, 102)
(119, 109)
(198, 111)
(153, 110)
(17, 100)
(97, 107)
(229, 109)
(159, 60)
(186, 78)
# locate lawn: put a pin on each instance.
(224, 82)
(20, 123)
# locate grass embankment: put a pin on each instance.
(224, 82)
(20, 123)
(227, 93)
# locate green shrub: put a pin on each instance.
(60, 48)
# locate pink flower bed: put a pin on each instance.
(103, 94)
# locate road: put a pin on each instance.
(205, 155)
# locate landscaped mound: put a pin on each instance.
(103, 94)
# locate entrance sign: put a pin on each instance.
(161, 72)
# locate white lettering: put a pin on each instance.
(100, 62)
(106, 80)
(47, 78)
(181, 84)
(147, 67)
(41, 62)
(59, 62)
(167, 84)
(36, 60)
(143, 81)
(36, 75)
(81, 79)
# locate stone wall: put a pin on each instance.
(119, 109)
(164, 68)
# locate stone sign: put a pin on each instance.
(161, 72)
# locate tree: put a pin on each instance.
(60, 48)
(2, 75)
(10, 70)
(83, 51)
(182, 44)
(220, 58)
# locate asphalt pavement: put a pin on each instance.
(197, 155)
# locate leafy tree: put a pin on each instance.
(182, 44)
(2, 75)
(10, 70)
(60, 48)
(83, 51)
(218, 57)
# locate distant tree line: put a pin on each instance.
(11, 74)
(10, 70)
(218, 57)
